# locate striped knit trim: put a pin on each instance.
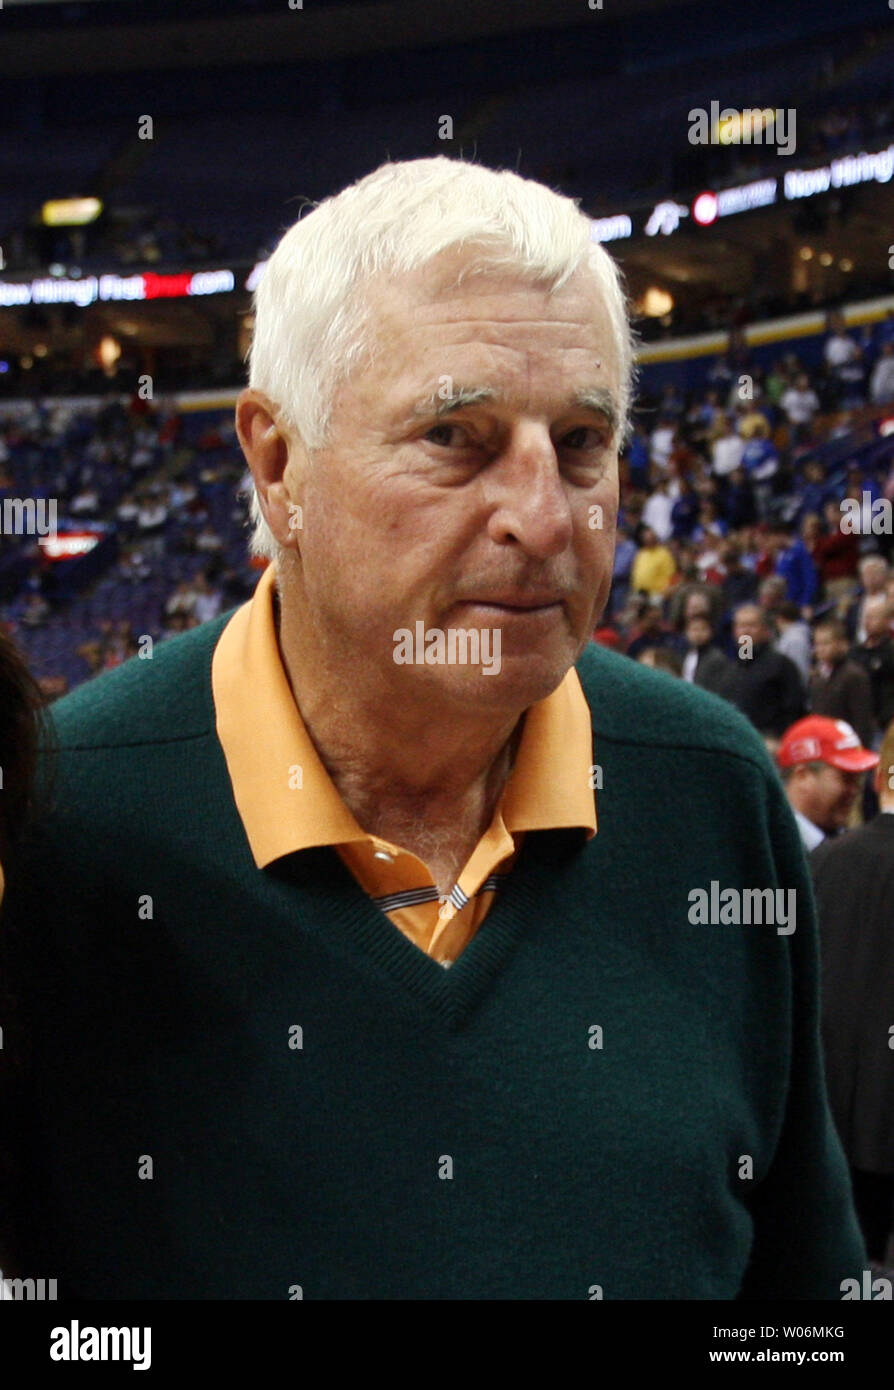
(412, 897)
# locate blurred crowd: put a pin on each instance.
(167, 488)
(112, 243)
(752, 554)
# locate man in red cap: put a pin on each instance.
(822, 762)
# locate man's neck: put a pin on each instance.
(427, 783)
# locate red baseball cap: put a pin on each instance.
(820, 740)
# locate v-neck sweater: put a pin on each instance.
(248, 1083)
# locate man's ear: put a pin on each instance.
(277, 459)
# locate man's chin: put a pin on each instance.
(513, 683)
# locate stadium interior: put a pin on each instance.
(185, 207)
(153, 155)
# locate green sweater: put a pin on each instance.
(600, 1098)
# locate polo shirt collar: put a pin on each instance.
(285, 797)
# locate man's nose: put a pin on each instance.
(529, 496)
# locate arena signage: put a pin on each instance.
(51, 289)
(67, 544)
(850, 169)
(611, 228)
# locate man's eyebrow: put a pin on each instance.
(600, 401)
(597, 399)
(440, 403)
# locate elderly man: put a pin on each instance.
(874, 575)
(876, 656)
(251, 1075)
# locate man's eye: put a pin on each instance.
(585, 437)
(445, 435)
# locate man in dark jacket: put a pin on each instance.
(840, 688)
(854, 884)
(765, 685)
(876, 656)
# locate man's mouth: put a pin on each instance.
(516, 603)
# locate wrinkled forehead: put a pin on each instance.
(460, 286)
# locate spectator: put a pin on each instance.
(815, 492)
(638, 457)
(151, 521)
(873, 580)
(738, 503)
(650, 629)
(793, 638)
(881, 383)
(207, 601)
(822, 766)
(711, 529)
(853, 878)
(794, 564)
(625, 554)
(800, 404)
(728, 450)
(208, 540)
(839, 687)
(876, 656)
(695, 599)
(703, 418)
(36, 611)
(761, 463)
(654, 566)
(661, 444)
(684, 511)
(844, 362)
(836, 554)
(662, 659)
(182, 600)
(658, 509)
(772, 595)
(764, 684)
(739, 584)
(704, 664)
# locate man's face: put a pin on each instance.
(828, 796)
(827, 647)
(877, 619)
(748, 623)
(696, 606)
(874, 576)
(467, 484)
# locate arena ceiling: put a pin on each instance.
(58, 36)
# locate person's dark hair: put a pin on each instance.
(786, 772)
(25, 738)
(21, 728)
(833, 625)
(666, 659)
(788, 610)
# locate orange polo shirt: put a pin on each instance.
(288, 801)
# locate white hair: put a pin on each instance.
(312, 327)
